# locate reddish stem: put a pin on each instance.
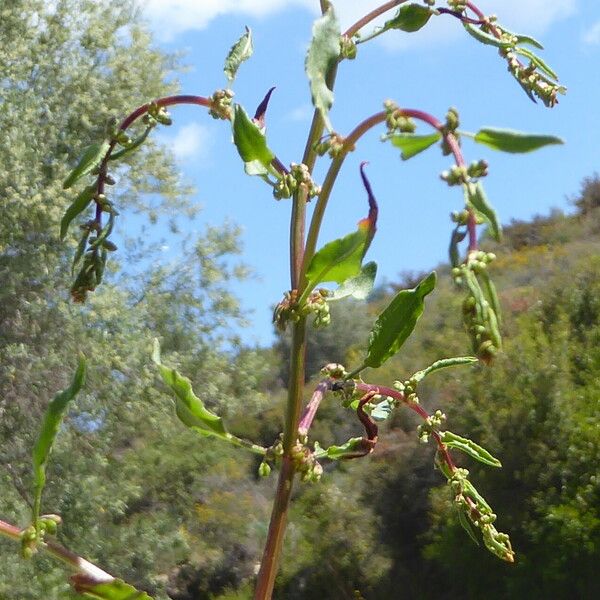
(313, 406)
(417, 408)
(371, 17)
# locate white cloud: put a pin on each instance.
(530, 16)
(301, 113)
(592, 35)
(190, 141)
(169, 18)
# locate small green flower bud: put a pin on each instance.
(264, 470)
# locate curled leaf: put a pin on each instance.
(191, 410)
(477, 199)
(444, 363)
(261, 109)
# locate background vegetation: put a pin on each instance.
(186, 519)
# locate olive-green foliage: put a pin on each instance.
(125, 475)
(536, 409)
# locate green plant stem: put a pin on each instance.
(272, 552)
(77, 563)
(328, 183)
(297, 231)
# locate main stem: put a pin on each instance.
(274, 545)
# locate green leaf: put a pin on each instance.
(50, 425)
(338, 260)
(477, 199)
(323, 54)
(508, 140)
(189, 408)
(341, 259)
(485, 38)
(92, 157)
(411, 145)
(492, 295)
(538, 62)
(352, 448)
(521, 39)
(444, 363)
(358, 287)
(395, 324)
(107, 590)
(242, 50)
(466, 524)
(409, 18)
(451, 440)
(78, 206)
(251, 144)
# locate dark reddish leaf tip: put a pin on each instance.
(259, 115)
(371, 220)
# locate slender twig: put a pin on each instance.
(356, 27)
(76, 562)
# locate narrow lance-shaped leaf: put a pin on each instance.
(395, 324)
(444, 363)
(341, 259)
(242, 50)
(50, 425)
(92, 157)
(323, 53)
(251, 144)
(476, 198)
(520, 38)
(508, 140)
(191, 410)
(77, 207)
(358, 287)
(485, 38)
(106, 590)
(451, 440)
(466, 524)
(541, 64)
(411, 145)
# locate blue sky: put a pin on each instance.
(431, 70)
